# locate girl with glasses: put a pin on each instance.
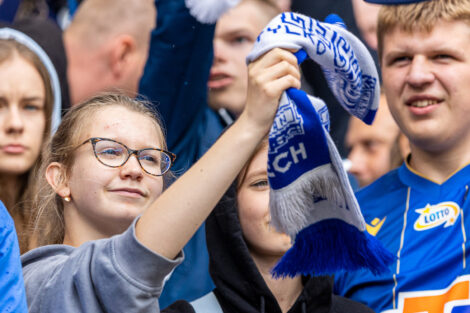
(108, 234)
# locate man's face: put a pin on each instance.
(235, 34)
(427, 83)
(370, 146)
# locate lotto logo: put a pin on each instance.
(435, 215)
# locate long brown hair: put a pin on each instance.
(49, 224)
(19, 206)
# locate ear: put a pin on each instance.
(121, 54)
(57, 178)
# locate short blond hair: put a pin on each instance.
(421, 16)
(96, 21)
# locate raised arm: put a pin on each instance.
(175, 76)
(171, 221)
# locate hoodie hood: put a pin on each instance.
(46, 35)
(239, 285)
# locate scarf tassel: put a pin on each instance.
(331, 245)
(291, 206)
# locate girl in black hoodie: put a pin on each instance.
(243, 248)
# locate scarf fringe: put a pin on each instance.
(292, 205)
(331, 246)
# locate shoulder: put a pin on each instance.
(344, 305)
(381, 194)
(6, 222)
(43, 261)
(12, 293)
(387, 183)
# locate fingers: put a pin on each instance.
(268, 77)
(274, 72)
(273, 57)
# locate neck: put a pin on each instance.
(77, 229)
(285, 290)
(438, 166)
(10, 187)
(10, 190)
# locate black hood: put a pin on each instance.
(239, 285)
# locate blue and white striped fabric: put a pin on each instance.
(311, 198)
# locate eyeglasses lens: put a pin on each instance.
(114, 154)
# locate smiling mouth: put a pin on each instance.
(130, 193)
(422, 103)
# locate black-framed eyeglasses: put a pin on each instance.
(112, 153)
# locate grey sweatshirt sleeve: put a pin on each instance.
(111, 275)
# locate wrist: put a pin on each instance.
(253, 128)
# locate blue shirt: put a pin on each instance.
(12, 294)
(424, 224)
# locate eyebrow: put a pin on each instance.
(237, 32)
(258, 172)
(33, 99)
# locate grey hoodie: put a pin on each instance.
(110, 275)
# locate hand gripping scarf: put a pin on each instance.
(311, 198)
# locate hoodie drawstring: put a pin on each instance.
(304, 307)
(262, 305)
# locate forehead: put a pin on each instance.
(422, 41)
(18, 67)
(248, 16)
(119, 123)
(259, 163)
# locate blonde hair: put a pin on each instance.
(19, 207)
(49, 225)
(422, 16)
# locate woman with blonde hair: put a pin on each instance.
(115, 236)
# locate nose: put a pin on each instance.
(219, 48)
(420, 72)
(358, 164)
(132, 169)
(14, 122)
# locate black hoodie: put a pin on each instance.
(240, 286)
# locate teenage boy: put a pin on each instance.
(421, 211)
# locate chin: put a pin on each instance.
(15, 168)
(127, 214)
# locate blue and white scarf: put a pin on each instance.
(311, 198)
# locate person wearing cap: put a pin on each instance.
(420, 211)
